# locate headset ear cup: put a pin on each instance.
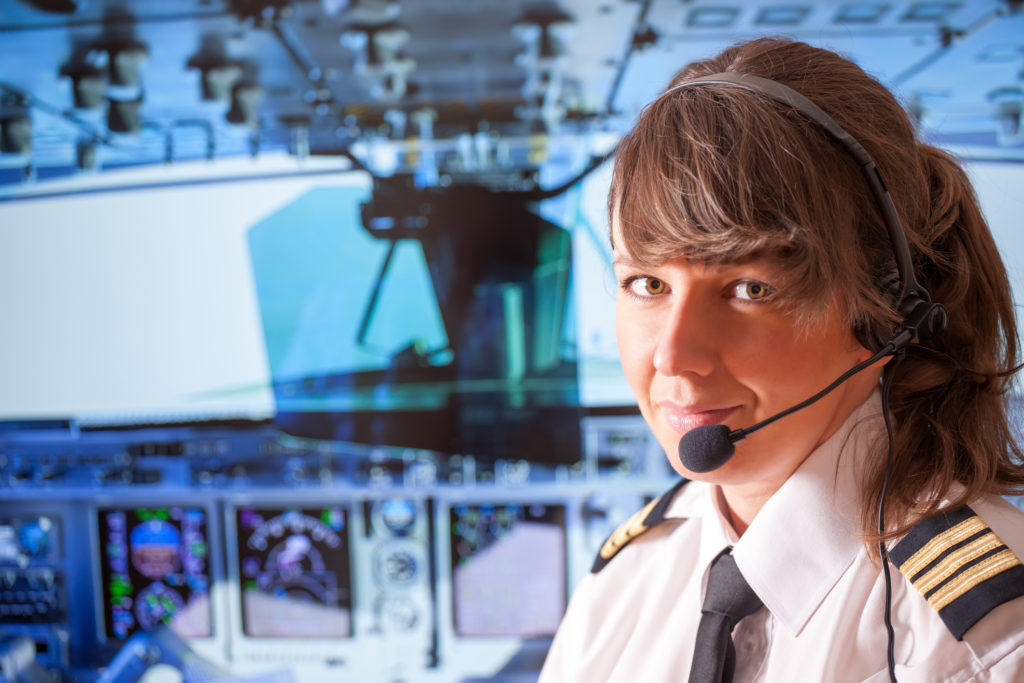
(866, 337)
(933, 324)
(874, 337)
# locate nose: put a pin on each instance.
(686, 342)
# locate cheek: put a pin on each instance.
(782, 354)
(790, 363)
(636, 350)
(772, 360)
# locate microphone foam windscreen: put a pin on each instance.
(706, 448)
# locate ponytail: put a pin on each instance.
(953, 440)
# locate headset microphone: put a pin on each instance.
(703, 449)
(706, 448)
(709, 447)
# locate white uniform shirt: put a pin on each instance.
(636, 619)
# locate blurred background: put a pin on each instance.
(307, 358)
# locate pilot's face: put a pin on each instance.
(705, 344)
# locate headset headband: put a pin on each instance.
(910, 289)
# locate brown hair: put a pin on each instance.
(718, 173)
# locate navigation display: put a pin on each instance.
(154, 565)
(294, 572)
(508, 569)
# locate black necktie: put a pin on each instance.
(728, 599)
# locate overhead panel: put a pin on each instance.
(957, 66)
(109, 84)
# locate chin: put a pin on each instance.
(726, 474)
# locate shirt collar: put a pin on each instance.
(697, 501)
(806, 535)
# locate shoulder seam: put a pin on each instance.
(639, 523)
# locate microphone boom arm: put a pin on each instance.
(889, 349)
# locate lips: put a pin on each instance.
(684, 418)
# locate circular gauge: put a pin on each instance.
(295, 556)
(156, 604)
(397, 564)
(397, 515)
(155, 547)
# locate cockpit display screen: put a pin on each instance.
(155, 569)
(508, 569)
(294, 572)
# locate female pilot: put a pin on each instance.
(756, 265)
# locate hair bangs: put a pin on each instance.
(691, 181)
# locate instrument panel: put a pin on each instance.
(294, 572)
(265, 553)
(154, 568)
(505, 558)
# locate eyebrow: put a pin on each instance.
(629, 262)
(624, 260)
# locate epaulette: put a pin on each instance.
(645, 518)
(960, 566)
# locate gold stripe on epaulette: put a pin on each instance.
(956, 559)
(982, 571)
(931, 550)
(627, 531)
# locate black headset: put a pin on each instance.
(922, 321)
(926, 320)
